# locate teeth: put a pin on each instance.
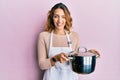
(59, 24)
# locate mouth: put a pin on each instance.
(59, 24)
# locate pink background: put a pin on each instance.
(97, 22)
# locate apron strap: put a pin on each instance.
(51, 36)
(69, 41)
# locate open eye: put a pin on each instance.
(55, 16)
(63, 17)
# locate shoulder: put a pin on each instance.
(44, 34)
(73, 33)
(75, 36)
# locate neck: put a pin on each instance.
(59, 32)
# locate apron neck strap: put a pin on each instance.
(68, 40)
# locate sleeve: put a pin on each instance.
(43, 60)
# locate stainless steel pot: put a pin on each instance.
(83, 62)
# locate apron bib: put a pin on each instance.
(60, 71)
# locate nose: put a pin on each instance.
(59, 19)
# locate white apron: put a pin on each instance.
(60, 71)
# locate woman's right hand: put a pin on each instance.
(62, 57)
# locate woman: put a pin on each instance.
(55, 43)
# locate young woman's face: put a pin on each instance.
(59, 19)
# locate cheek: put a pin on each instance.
(65, 21)
(54, 20)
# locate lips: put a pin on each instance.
(59, 24)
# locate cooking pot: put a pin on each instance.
(83, 62)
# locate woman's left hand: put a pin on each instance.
(94, 51)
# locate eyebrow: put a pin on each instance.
(58, 14)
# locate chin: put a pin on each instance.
(59, 27)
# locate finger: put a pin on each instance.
(62, 60)
(92, 50)
(64, 54)
(65, 58)
(95, 52)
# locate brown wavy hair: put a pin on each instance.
(50, 24)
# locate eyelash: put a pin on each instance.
(55, 16)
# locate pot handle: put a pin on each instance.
(70, 56)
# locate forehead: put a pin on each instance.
(59, 11)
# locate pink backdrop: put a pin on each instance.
(97, 22)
